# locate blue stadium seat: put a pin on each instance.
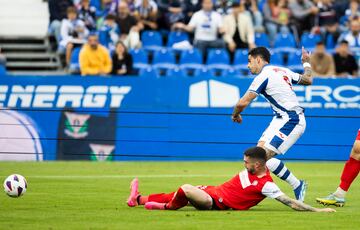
(2, 70)
(294, 62)
(285, 42)
(241, 61)
(330, 43)
(218, 59)
(164, 59)
(176, 36)
(74, 66)
(277, 59)
(309, 40)
(191, 59)
(262, 39)
(148, 72)
(140, 58)
(176, 73)
(151, 40)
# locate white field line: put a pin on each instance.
(120, 176)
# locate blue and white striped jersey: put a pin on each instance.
(275, 84)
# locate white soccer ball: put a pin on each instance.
(15, 185)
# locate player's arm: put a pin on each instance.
(241, 105)
(307, 77)
(299, 206)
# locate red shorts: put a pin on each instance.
(358, 136)
(217, 201)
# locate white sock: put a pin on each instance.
(277, 167)
(340, 193)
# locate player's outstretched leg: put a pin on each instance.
(349, 173)
(135, 198)
(186, 193)
(277, 167)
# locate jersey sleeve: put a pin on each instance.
(259, 84)
(295, 77)
(271, 190)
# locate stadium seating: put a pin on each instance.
(218, 58)
(285, 42)
(309, 40)
(191, 59)
(262, 39)
(294, 62)
(74, 60)
(164, 60)
(151, 40)
(241, 61)
(2, 70)
(148, 72)
(277, 58)
(176, 36)
(176, 73)
(140, 58)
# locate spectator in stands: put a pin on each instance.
(206, 24)
(87, 14)
(190, 7)
(175, 14)
(57, 11)
(121, 60)
(107, 7)
(239, 30)
(353, 36)
(352, 12)
(73, 33)
(146, 13)
(345, 63)
(277, 18)
(303, 13)
(109, 32)
(330, 34)
(322, 62)
(257, 17)
(129, 27)
(94, 58)
(327, 14)
(223, 7)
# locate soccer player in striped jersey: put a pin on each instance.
(242, 192)
(349, 173)
(275, 84)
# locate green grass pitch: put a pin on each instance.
(89, 195)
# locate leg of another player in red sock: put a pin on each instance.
(350, 172)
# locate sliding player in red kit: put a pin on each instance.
(242, 192)
(349, 173)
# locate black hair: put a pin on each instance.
(320, 43)
(261, 52)
(256, 153)
(344, 42)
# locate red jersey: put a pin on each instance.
(243, 191)
(358, 136)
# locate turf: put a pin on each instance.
(88, 195)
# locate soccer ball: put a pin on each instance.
(15, 185)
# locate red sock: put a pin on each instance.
(160, 198)
(178, 201)
(350, 171)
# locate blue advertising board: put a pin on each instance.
(139, 118)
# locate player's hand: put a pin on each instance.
(326, 210)
(305, 56)
(236, 118)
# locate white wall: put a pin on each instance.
(23, 18)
